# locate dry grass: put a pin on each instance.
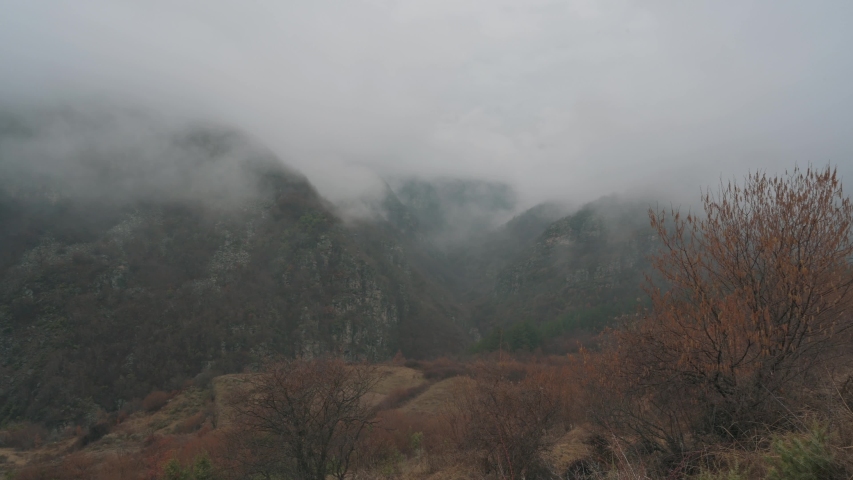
(455, 472)
(437, 398)
(223, 386)
(177, 428)
(155, 401)
(570, 448)
(14, 458)
(394, 378)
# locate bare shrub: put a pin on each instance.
(301, 418)
(507, 414)
(753, 301)
(23, 436)
(396, 433)
(155, 401)
(191, 424)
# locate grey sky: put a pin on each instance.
(565, 99)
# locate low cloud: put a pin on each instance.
(120, 157)
(568, 100)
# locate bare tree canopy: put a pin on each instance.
(302, 419)
(754, 296)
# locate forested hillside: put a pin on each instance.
(107, 293)
(137, 256)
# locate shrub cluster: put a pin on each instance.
(155, 400)
(23, 436)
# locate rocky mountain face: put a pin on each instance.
(107, 293)
(550, 268)
(451, 212)
(136, 255)
(595, 256)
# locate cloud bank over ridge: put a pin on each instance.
(561, 99)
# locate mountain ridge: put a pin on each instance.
(125, 270)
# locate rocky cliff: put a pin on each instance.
(117, 277)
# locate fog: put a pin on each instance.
(120, 157)
(567, 100)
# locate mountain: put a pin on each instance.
(547, 272)
(452, 211)
(581, 273)
(136, 256)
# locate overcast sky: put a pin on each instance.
(562, 99)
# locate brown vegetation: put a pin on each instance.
(753, 304)
(507, 414)
(397, 435)
(23, 436)
(399, 396)
(440, 368)
(155, 401)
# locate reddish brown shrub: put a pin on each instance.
(511, 413)
(155, 401)
(212, 443)
(215, 445)
(191, 424)
(158, 449)
(23, 436)
(397, 432)
(121, 466)
(186, 450)
(77, 466)
(38, 472)
(750, 307)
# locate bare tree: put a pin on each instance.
(754, 296)
(302, 419)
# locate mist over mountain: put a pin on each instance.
(132, 265)
(137, 254)
(441, 223)
(561, 100)
(450, 211)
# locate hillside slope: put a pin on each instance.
(593, 259)
(124, 270)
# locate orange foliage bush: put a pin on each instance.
(398, 432)
(753, 304)
(191, 424)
